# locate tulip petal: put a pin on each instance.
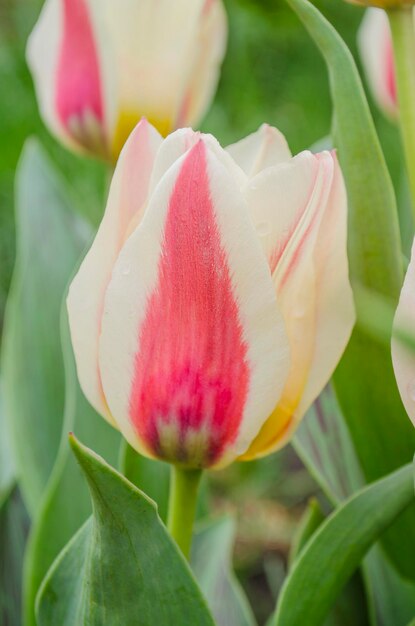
(178, 143)
(262, 149)
(63, 56)
(311, 278)
(41, 54)
(126, 203)
(193, 351)
(210, 49)
(159, 39)
(277, 198)
(403, 356)
(376, 51)
(335, 312)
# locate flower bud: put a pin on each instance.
(99, 67)
(214, 303)
(376, 51)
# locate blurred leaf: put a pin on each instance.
(211, 561)
(14, 523)
(122, 568)
(394, 597)
(7, 468)
(364, 380)
(151, 477)
(338, 547)
(47, 249)
(324, 445)
(66, 503)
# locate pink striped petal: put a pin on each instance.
(63, 54)
(126, 203)
(179, 142)
(402, 356)
(375, 46)
(277, 198)
(78, 94)
(335, 314)
(193, 352)
(262, 149)
(311, 279)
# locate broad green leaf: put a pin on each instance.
(14, 524)
(324, 444)
(211, 561)
(351, 606)
(61, 514)
(152, 477)
(122, 568)
(338, 547)
(365, 384)
(33, 376)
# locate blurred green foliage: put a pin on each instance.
(272, 73)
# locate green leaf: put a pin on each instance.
(324, 445)
(351, 605)
(338, 547)
(61, 514)
(14, 523)
(122, 568)
(211, 561)
(33, 376)
(312, 518)
(364, 380)
(7, 465)
(152, 477)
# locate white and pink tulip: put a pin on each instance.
(214, 303)
(376, 52)
(98, 67)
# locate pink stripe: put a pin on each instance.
(390, 71)
(78, 84)
(191, 369)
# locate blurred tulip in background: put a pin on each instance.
(98, 67)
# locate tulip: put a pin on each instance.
(376, 51)
(215, 302)
(403, 355)
(99, 67)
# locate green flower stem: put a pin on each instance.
(403, 36)
(182, 506)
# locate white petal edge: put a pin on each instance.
(126, 201)
(403, 357)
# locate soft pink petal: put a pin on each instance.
(375, 46)
(126, 202)
(311, 279)
(264, 148)
(193, 352)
